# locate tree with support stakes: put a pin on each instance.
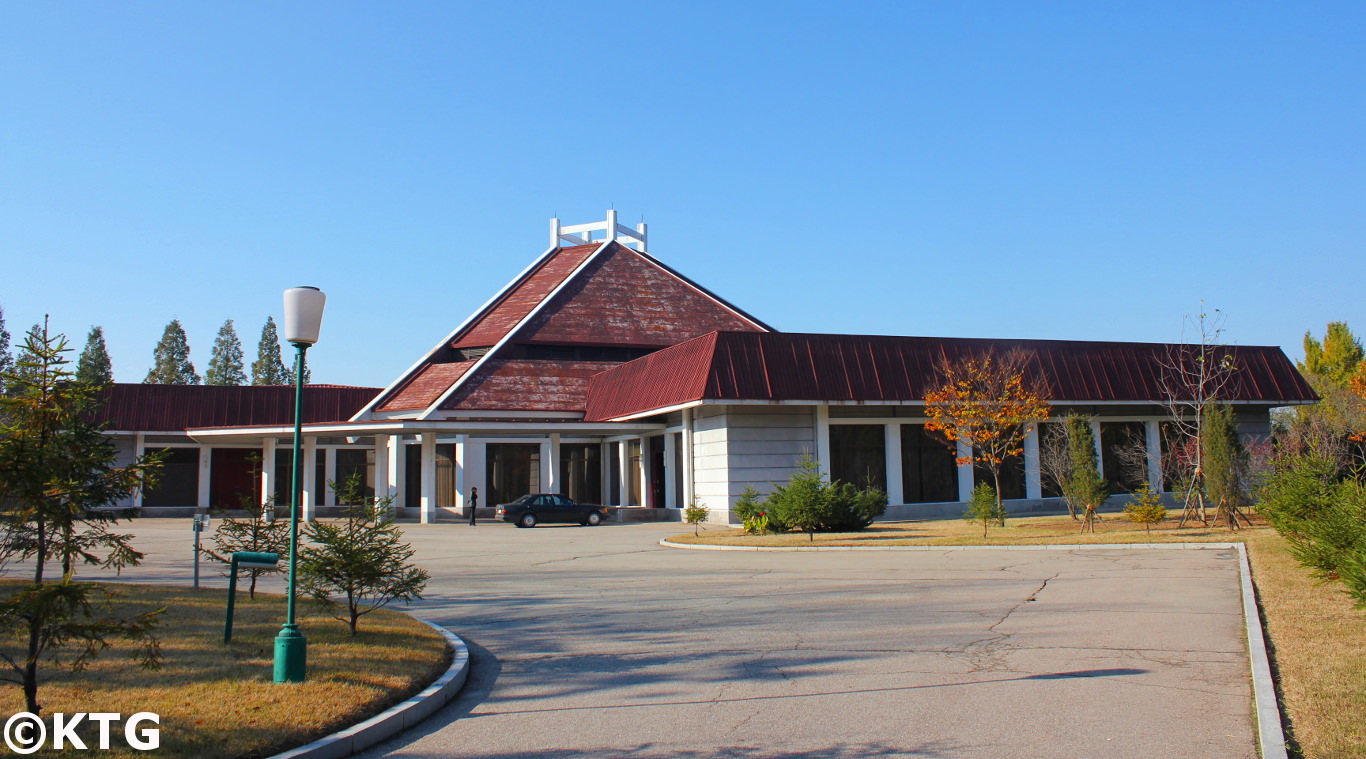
(1194, 377)
(1084, 484)
(988, 402)
(1225, 461)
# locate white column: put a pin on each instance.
(892, 444)
(460, 494)
(397, 470)
(308, 509)
(551, 456)
(1100, 456)
(329, 475)
(205, 476)
(381, 466)
(646, 472)
(670, 453)
(823, 440)
(1152, 433)
(687, 458)
(964, 472)
(427, 502)
(1033, 480)
(139, 444)
(268, 476)
(623, 472)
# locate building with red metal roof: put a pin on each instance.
(602, 373)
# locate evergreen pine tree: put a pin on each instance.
(269, 368)
(1084, 486)
(225, 365)
(6, 360)
(94, 366)
(171, 359)
(1225, 465)
(308, 374)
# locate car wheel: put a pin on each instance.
(527, 520)
(593, 520)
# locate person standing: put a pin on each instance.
(474, 504)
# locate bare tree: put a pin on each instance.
(1194, 376)
(1055, 463)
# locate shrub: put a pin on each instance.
(1322, 517)
(749, 505)
(759, 524)
(359, 564)
(1146, 508)
(810, 504)
(696, 515)
(984, 509)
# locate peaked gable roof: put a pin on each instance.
(875, 368)
(599, 296)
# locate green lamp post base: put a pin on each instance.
(291, 655)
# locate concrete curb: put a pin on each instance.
(1270, 735)
(396, 718)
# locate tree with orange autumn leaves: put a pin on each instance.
(988, 402)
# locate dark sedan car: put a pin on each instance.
(530, 510)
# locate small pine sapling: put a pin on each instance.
(256, 532)
(984, 509)
(1146, 508)
(696, 515)
(360, 563)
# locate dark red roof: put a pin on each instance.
(523, 297)
(626, 298)
(528, 385)
(786, 366)
(173, 408)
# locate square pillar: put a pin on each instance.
(823, 440)
(1152, 435)
(427, 502)
(139, 447)
(1100, 456)
(964, 472)
(687, 458)
(670, 453)
(459, 463)
(308, 499)
(396, 468)
(646, 472)
(623, 472)
(551, 456)
(381, 479)
(892, 445)
(329, 476)
(268, 477)
(1033, 478)
(205, 477)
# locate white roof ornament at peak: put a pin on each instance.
(582, 234)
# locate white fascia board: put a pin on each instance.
(417, 426)
(432, 409)
(365, 413)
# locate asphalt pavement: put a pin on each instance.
(598, 642)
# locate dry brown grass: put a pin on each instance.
(1319, 646)
(220, 701)
(1317, 638)
(1111, 528)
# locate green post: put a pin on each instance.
(251, 560)
(291, 648)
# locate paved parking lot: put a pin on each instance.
(598, 642)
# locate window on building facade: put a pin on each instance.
(1012, 477)
(929, 468)
(1123, 455)
(177, 479)
(581, 472)
(858, 455)
(512, 470)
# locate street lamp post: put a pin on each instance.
(303, 320)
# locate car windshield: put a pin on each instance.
(524, 500)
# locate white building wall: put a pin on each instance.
(735, 447)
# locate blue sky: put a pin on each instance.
(1035, 170)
